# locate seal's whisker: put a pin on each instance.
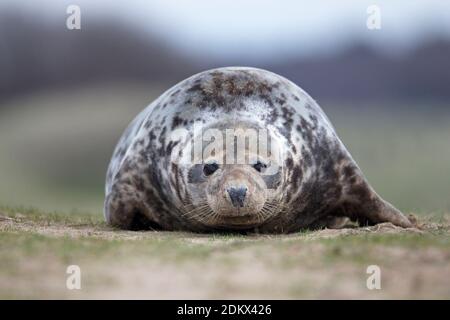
(201, 213)
(263, 213)
(191, 203)
(260, 216)
(195, 211)
(206, 217)
(199, 217)
(215, 217)
(274, 205)
(267, 212)
(195, 205)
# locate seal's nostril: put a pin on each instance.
(237, 195)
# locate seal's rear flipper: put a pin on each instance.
(391, 214)
(378, 211)
(367, 207)
(361, 203)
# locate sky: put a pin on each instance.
(258, 28)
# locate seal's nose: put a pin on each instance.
(237, 195)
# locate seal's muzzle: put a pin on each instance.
(237, 196)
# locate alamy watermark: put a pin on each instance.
(73, 21)
(373, 21)
(73, 281)
(229, 146)
(374, 280)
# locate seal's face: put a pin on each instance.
(233, 195)
(237, 195)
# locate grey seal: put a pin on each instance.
(166, 175)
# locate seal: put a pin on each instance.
(237, 149)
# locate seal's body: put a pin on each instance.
(299, 176)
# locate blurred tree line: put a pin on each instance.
(38, 56)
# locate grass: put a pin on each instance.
(36, 248)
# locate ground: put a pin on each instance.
(37, 247)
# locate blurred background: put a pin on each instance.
(67, 95)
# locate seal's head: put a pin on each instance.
(234, 192)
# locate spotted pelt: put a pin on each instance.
(148, 185)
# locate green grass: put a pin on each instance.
(36, 248)
(36, 215)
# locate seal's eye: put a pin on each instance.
(210, 168)
(259, 166)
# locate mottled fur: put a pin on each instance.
(147, 187)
